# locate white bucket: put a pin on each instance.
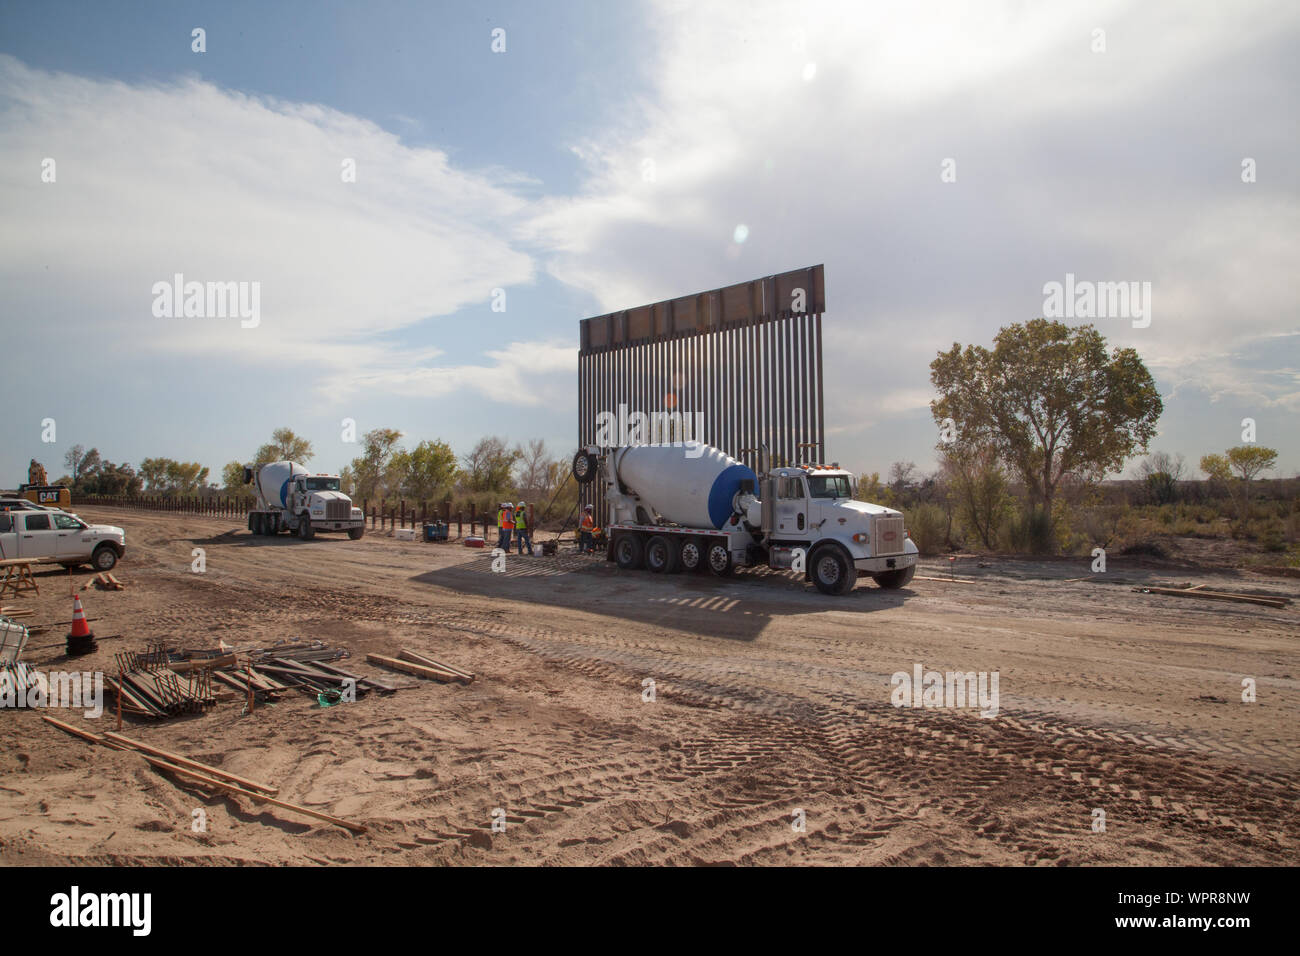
(537, 551)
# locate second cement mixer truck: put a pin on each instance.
(688, 506)
(289, 498)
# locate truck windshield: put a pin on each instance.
(322, 484)
(829, 486)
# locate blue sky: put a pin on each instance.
(821, 127)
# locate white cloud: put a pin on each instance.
(523, 373)
(184, 177)
(1121, 165)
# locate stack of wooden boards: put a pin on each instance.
(311, 668)
(106, 582)
(164, 683)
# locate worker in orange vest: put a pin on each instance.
(587, 526)
(505, 525)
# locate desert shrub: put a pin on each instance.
(1030, 531)
(1269, 532)
(1146, 548)
(928, 525)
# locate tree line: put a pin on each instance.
(430, 471)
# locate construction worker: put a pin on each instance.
(505, 525)
(521, 529)
(585, 528)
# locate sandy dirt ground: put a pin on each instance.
(771, 705)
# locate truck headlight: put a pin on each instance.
(862, 537)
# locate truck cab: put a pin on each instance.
(47, 535)
(814, 509)
(320, 497)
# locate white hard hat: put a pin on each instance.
(588, 508)
(520, 505)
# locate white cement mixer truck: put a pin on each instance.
(688, 507)
(290, 498)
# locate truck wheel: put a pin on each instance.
(305, 531)
(628, 552)
(896, 578)
(832, 572)
(691, 556)
(356, 533)
(661, 556)
(718, 558)
(104, 558)
(584, 468)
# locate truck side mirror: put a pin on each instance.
(248, 474)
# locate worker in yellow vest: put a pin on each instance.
(505, 525)
(521, 529)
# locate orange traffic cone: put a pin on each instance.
(81, 640)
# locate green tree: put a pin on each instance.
(111, 479)
(185, 477)
(153, 473)
(80, 462)
(872, 489)
(370, 472)
(1237, 468)
(166, 476)
(1050, 400)
(232, 479)
(979, 485)
(489, 465)
(430, 469)
(284, 446)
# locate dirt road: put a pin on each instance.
(767, 736)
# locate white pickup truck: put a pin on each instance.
(60, 537)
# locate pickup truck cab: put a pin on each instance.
(60, 537)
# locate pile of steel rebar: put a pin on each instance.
(147, 686)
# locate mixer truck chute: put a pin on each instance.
(289, 498)
(690, 506)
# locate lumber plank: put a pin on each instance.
(1217, 596)
(414, 658)
(922, 577)
(78, 732)
(419, 670)
(185, 761)
(214, 783)
(182, 667)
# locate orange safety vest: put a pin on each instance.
(588, 522)
(506, 519)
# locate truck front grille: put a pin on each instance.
(888, 536)
(338, 510)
